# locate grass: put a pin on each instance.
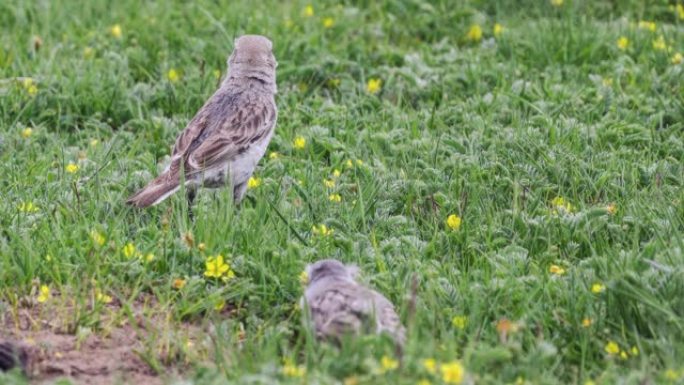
(493, 131)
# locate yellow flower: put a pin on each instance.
(430, 365)
(94, 142)
(562, 205)
(659, 44)
(612, 348)
(309, 10)
(72, 168)
(634, 350)
(88, 52)
(97, 238)
(173, 75)
(336, 173)
(557, 3)
(115, 31)
(586, 322)
(299, 142)
(44, 294)
(453, 222)
(623, 43)
(677, 58)
(129, 250)
(671, 375)
(26, 132)
(253, 182)
(611, 208)
(328, 22)
(101, 297)
(291, 370)
(597, 288)
(329, 183)
(498, 29)
(218, 306)
(649, 25)
(303, 277)
(680, 11)
(273, 155)
(217, 268)
(48, 257)
(359, 162)
(217, 74)
(27, 207)
(459, 321)
(623, 355)
(337, 198)
(556, 270)
(149, 257)
(201, 246)
(373, 86)
(388, 363)
(321, 230)
(474, 33)
(452, 373)
(178, 283)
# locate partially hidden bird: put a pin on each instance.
(223, 143)
(338, 305)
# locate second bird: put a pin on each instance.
(223, 143)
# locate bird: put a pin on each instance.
(12, 356)
(223, 143)
(337, 305)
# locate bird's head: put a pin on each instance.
(331, 268)
(252, 52)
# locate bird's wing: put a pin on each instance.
(388, 319)
(340, 310)
(225, 127)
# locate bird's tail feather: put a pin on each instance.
(156, 191)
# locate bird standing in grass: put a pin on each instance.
(338, 305)
(226, 139)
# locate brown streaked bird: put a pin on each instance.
(223, 143)
(339, 306)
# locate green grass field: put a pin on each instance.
(552, 129)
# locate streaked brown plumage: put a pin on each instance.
(226, 139)
(339, 306)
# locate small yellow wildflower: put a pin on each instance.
(452, 372)
(98, 239)
(337, 198)
(671, 374)
(474, 33)
(336, 173)
(430, 365)
(498, 29)
(623, 43)
(329, 183)
(253, 182)
(273, 155)
(178, 283)
(649, 25)
(173, 76)
(321, 230)
(129, 250)
(349, 163)
(217, 74)
(453, 222)
(586, 322)
(562, 205)
(634, 351)
(612, 348)
(459, 321)
(299, 142)
(291, 370)
(677, 58)
(72, 168)
(217, 268)
(556, 270)
(328, 22)
(623, 355)
(27, 207)
(218, 306)
(359, 162)
(680, 11)
(101, 297)
(201, 246)
(88, 52)
(373, 86)
(388, 363)
(309, 10)
(94, 142)
(659, 44)
(43, 294)
(48, 257)
(611, 208)
(557, 3)
(149, 257)
(115, 31)
(303, 277)
(597, 288)
(26, 132)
